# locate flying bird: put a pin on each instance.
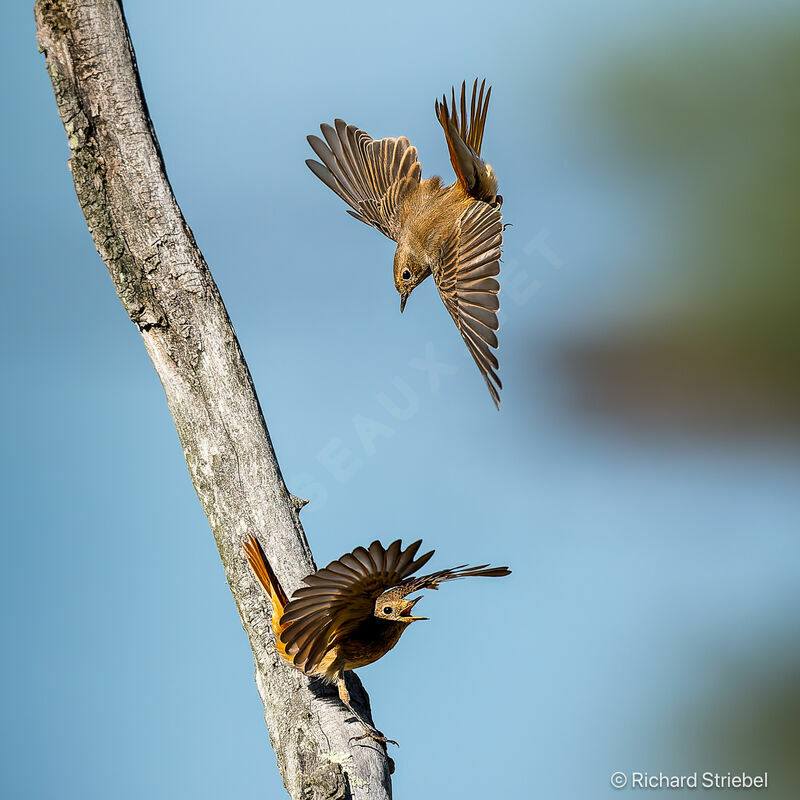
(454, 232)
(351, 612)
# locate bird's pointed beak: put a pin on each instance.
(406, 612)
(403, 299)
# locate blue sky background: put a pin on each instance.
(653, 575)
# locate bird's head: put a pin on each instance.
(409, 271)
(393, 606)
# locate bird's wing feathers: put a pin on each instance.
(432, 581)
(464, 135)
(465, 277)
(370, 175)
(337, 598)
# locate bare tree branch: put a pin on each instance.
(166, 288)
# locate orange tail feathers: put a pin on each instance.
(464, 136)
(271, 586)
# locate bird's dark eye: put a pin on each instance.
(387, 610)
(406, 276)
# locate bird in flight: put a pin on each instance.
(454, 232)
(351, 612)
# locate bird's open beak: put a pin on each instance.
(406, 612)
(403, 298)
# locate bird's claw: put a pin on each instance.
(375, 735)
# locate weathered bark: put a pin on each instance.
(166, 288)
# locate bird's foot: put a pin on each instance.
(375, 735)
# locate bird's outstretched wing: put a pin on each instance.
(337, 598)
(370, 175)
(465, 277)
(464, 135)
(464, 571)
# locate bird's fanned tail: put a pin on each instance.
(464, 137)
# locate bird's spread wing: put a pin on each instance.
(432, 581)
(465, 277)
(337, 598)
(464, 135)
(370, 175)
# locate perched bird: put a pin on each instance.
(351, 612)
(452, 232)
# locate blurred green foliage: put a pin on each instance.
(711, 122)
(751, 721)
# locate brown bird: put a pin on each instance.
(351, 612)
(454, 232)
